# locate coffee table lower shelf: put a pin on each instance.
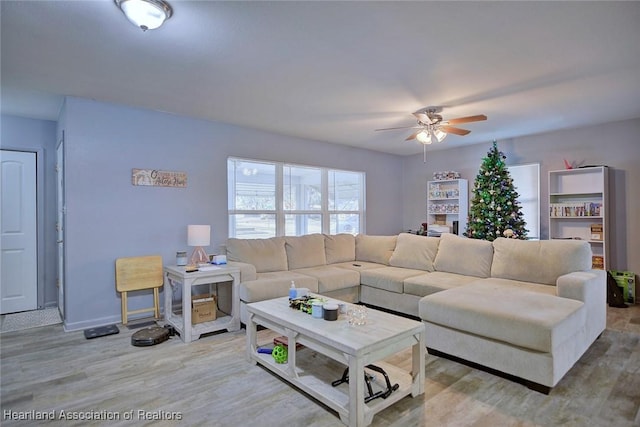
(315, 379)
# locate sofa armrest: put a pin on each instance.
(586, 286)
(589, 287)
(247, 271)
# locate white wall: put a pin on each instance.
(616, 145)
(108, 217)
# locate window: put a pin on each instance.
(345, 201)
(269, 199)
(526, 180)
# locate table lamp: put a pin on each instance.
(199, 236)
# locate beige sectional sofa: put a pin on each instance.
(528, 309)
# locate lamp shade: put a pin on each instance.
(199, 235)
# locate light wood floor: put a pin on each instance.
(209, 383)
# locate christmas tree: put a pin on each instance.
(495, 210)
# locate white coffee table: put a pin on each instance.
(354, 346)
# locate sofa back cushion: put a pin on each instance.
(376, 249)
(265, 254)
(339, 248)
(416, 252)
(541, 261)
(305, 251)
(461, 255)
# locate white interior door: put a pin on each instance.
(60, 224)
(19, 256)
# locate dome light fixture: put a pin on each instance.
(145, 14)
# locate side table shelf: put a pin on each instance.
(175, 276)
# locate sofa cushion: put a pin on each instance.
(506, 313)
(305, 251)
(339, 248)
(274, 284)
(429, 283)
(387, 278)
(461, 255)
(413, 251)
(540, 261)
(265, 254)
(332, 278)
(375, 248)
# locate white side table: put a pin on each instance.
(177, 276)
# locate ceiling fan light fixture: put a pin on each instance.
(440, 135)
(424, 137)
(145, 14)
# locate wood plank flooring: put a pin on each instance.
(209, 383)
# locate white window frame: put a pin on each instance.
(280, 212)
(526, 180)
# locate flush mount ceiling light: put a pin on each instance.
(145, 14)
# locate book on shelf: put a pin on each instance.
(597, 262)
(575, 209)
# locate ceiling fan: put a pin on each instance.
(431, 127)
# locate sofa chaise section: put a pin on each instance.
(534, 328)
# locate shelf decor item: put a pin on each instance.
(446, 175)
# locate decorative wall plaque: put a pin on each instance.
(157, 178)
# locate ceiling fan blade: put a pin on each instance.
(456, 131)
(402, 127)
(422, 117)
(468, 119)
(413, 135)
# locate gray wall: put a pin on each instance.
(39, 136)
(107, 217)
(616, 145)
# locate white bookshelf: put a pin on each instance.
(578, 203)
(448, 201)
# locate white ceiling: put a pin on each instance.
(334, 71)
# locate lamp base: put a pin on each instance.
(199, 256)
